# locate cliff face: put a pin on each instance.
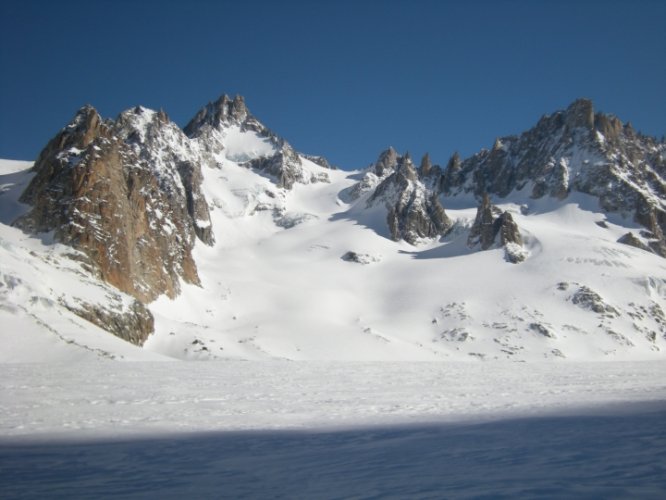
(127, 194)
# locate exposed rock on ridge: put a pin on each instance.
(574, 150)
(375, 174)
(127, 194)
(414, 211)
(273, 155)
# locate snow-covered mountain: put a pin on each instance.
(220, 240)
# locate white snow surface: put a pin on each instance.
(269, 292)
(243, 145)
(106, 398)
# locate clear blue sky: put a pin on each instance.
(344, 79)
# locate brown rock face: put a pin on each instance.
(483, 231)
(507, 230)
(111, 191)
(489, 230)
(133, 324)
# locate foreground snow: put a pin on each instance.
(332, 430)
(114, 399)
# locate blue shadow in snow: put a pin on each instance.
(619, 454)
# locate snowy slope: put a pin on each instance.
(289, 294)
(275, 284)
(39, 285)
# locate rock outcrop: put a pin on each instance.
(127, 193)
(360, 258)
(493, 228)
(414, 211)
(586, 298)
(484, 230)
(133, 323)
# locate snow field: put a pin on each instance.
(113, 399)
(234, 429)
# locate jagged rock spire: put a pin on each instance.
(483, 232)
(580, 114)
(495, 228)
(451, 177)
(387, 162)
(426, 166)
(222, 111)
(414, 211)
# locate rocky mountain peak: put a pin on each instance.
(426, 166)
(128, 197)
(82, 130)
(574, 150)
(580, 114)
(386, 163)
(223, 111)
(220, 125)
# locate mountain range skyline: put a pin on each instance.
(164, 222)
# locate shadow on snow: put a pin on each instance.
(600, 454)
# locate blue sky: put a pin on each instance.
(343, 79)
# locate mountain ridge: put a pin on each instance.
(158, 195)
